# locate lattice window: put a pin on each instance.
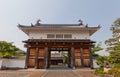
(59, 35)
(67, 36)
(50, 36)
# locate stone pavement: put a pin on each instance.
(49, 73)
(39, 73)
(60, 73)
(21, 73)
(86, 73)
(13, 74)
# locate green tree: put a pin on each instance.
(113, 47)
(114, 56)
(113, 44)
(7, 49)
(96, 49)
(102, 61)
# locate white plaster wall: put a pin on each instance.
(13, 63)
(37, 34)
(82, 35)
(0, 63)
(95, 64)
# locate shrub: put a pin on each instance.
(113, 71)
(19, 54)
(99, 71)
(116, 65)
(117, 74)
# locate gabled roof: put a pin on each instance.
(39, 26)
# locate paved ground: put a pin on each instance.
(86, 73)
(21, 73)
(49, 73)
(13, 74)
(60, 73)
(56, 67)
(39, 73)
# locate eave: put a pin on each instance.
(26, 29)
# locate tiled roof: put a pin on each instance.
(56, 26)
(52, 25)
(39, 26)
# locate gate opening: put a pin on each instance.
(59, 58)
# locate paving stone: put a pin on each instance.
(60, 73)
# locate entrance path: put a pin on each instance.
(49, 73)
(60, 73)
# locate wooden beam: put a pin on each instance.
(69, 58)
(58, 41)
(49, 58)
(91, 59)
(46, 58)
(72, 58)
(36, 58)
(27, 57)
(81, 56)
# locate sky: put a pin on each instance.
(25, 12)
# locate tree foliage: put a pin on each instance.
(113, 47)
(113, 44)
(115, 28)
(96, 49)
(7, 49)
(114, 56)
(102, 61)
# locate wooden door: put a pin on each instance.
(31, 59)
(77, 57)
(86, 56)
(41, 58)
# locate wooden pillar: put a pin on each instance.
(82, 57)
(46, 58)
(49, 58)
(91, 59)
(69, 55)
(27, 57)
(36, 58)
(72, 58)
